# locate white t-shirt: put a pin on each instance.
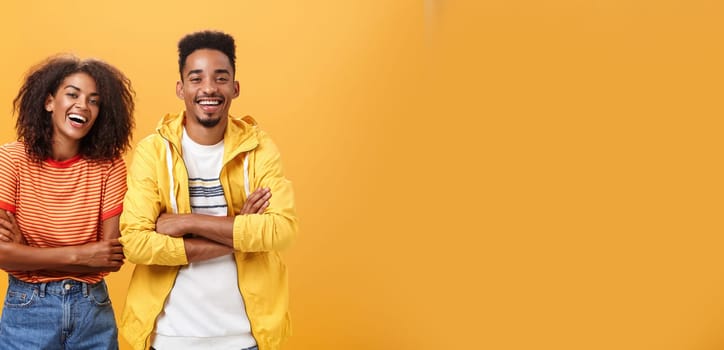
(205, 309)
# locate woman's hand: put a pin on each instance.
(9, 230)
(103, 254)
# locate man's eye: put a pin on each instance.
(72, 95)
(94, 102)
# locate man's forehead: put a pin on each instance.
(207, 59)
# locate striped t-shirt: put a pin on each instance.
(59, 203)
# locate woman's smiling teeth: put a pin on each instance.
(77, 118)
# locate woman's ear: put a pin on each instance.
(49, 103)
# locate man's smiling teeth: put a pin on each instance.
(209, 102)
(77, 118)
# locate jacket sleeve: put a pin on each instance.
(141, 207)
(276, 229)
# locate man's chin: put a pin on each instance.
(209, 122)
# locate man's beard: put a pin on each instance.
(208, 123)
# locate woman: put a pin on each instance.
(61, 192)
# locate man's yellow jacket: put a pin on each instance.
(158, 182)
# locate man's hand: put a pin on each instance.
(257, 202)
(9, 230)
(172, 224)
(179, 225)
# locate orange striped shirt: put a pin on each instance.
(59, 203)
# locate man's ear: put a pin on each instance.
(179, 89)
(236, 88)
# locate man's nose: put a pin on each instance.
(210, 87)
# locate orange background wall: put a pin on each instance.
(469, 174)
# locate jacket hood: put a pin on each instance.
(240, 134)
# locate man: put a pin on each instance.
(200, 222)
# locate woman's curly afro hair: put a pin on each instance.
(110, 135)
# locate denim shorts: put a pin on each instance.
(58, 315)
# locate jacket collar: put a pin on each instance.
(240, 134)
